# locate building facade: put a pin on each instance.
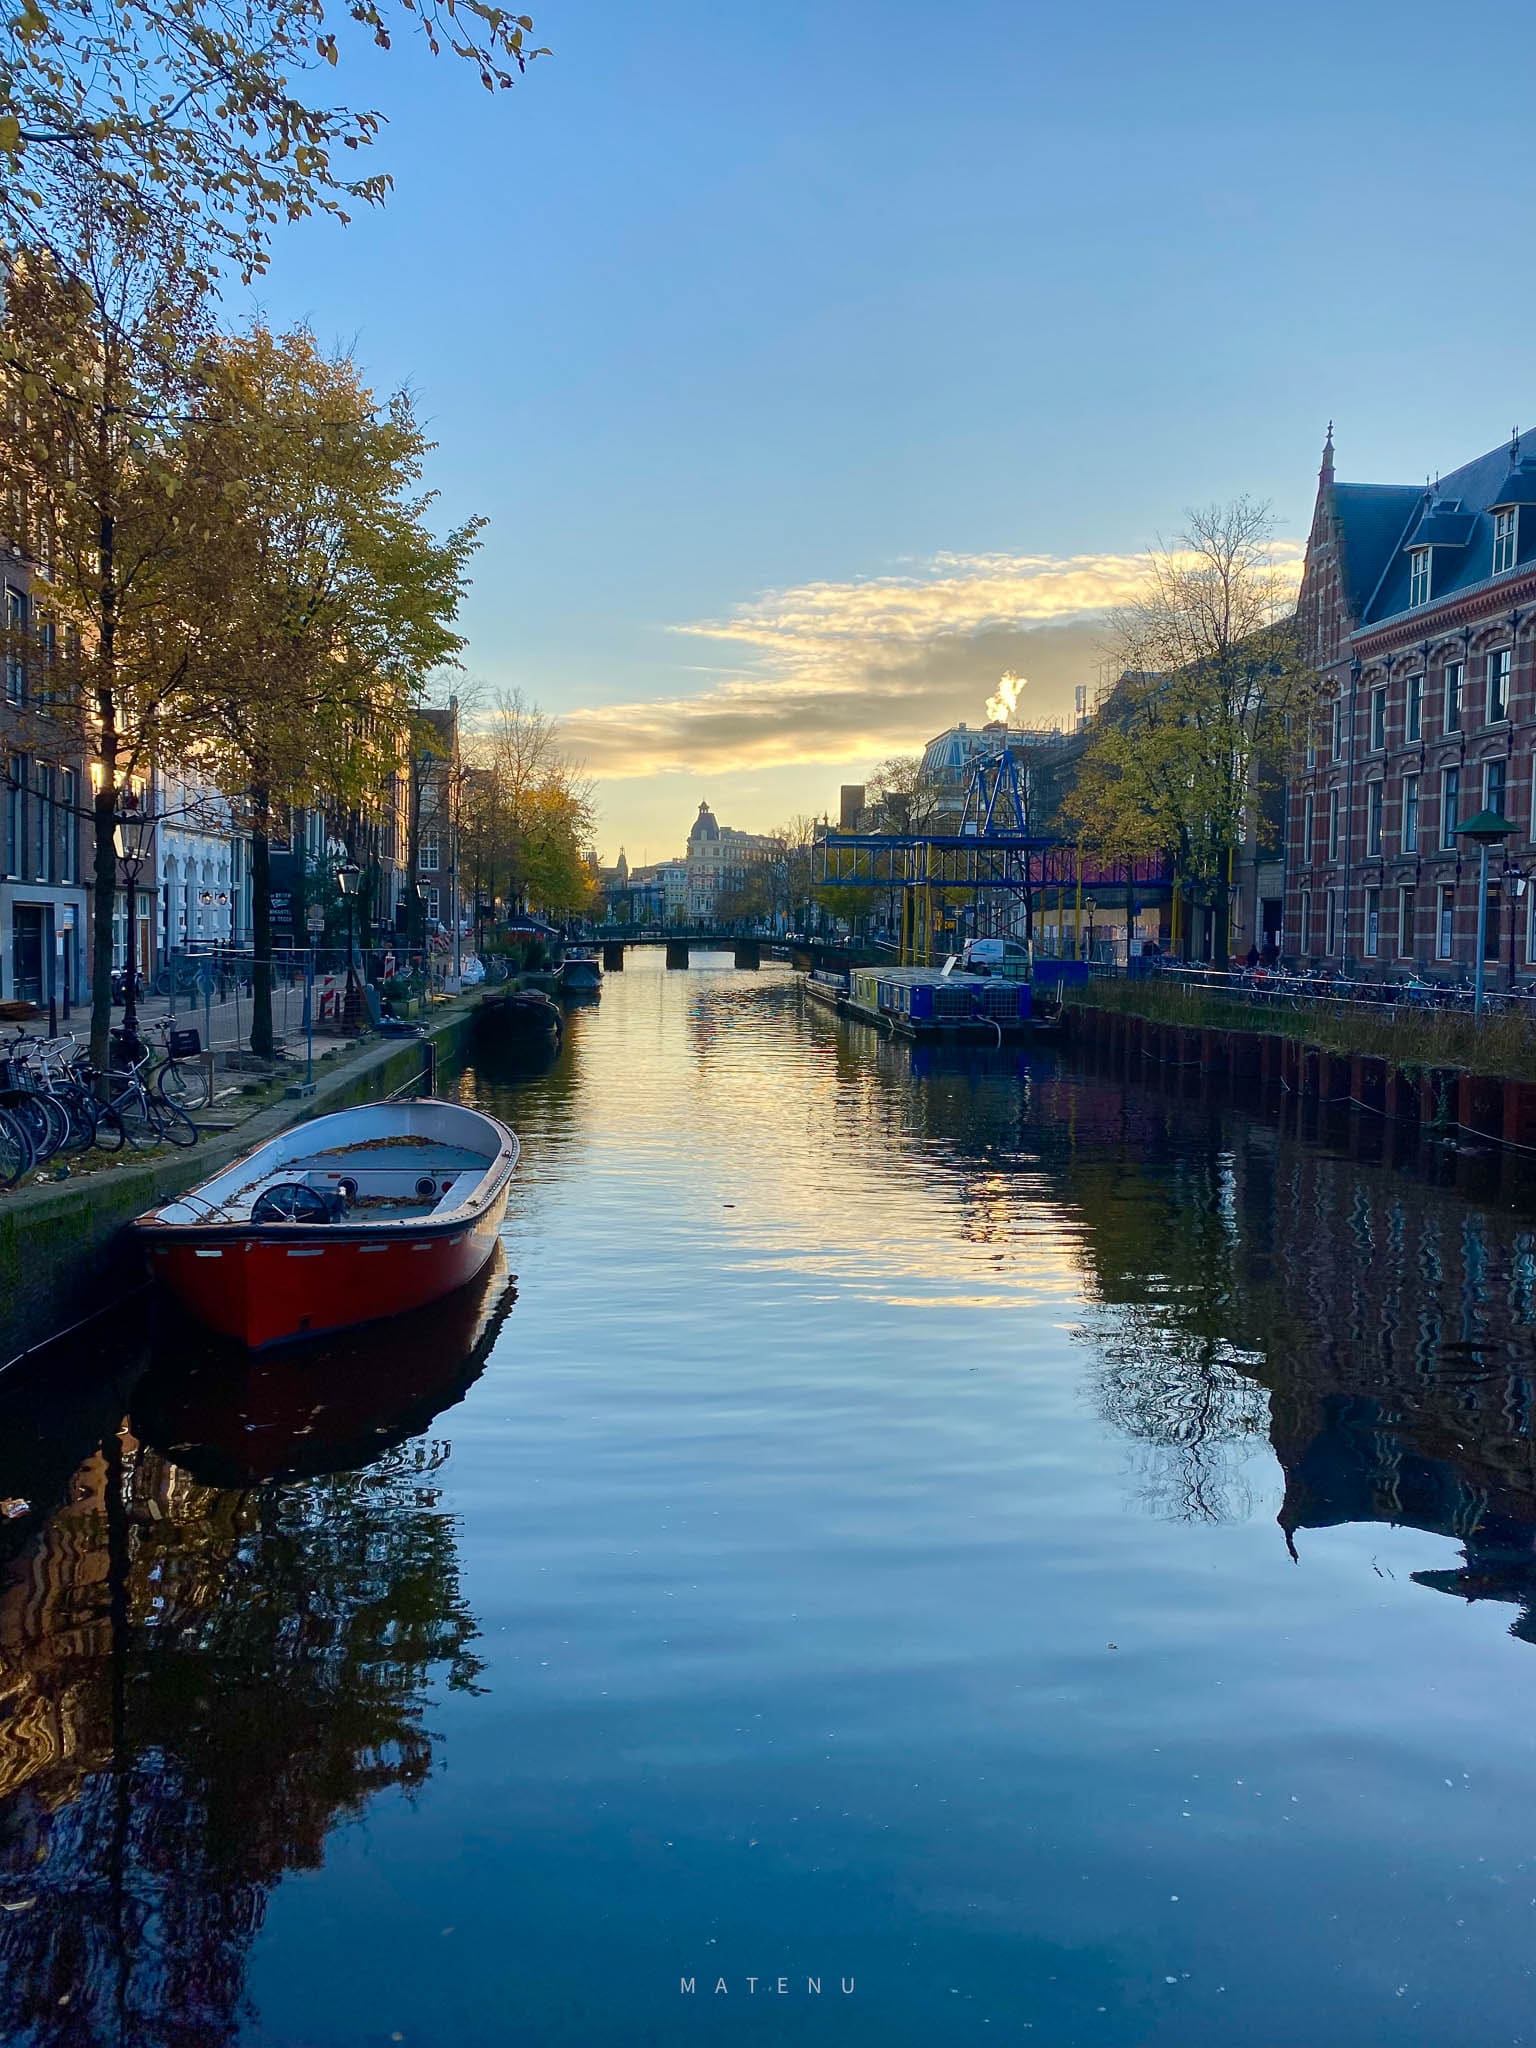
(1418, 608)
(204, 869)
(721, 862)
(44, 841)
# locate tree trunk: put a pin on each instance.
(1221, 911)
(104, 806)
(261, 924)
(103, 904)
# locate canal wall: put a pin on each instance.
(63, 1253)
(1444, 1099)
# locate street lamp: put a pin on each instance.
(1488, 829)
(348, 875)
(133, 835)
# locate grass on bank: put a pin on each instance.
(1503, 1044)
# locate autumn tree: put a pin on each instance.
(334, 596)
(206, 124)
(1194, 734)
(530, 812)
(101, 368)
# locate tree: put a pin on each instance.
(100, 368)
(192, 121)
(905, 798)
(531, 813)
(334, 598)
(1197, 728)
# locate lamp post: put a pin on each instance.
(134, 834)
(1487, 830)
(348, 876)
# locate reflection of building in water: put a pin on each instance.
(1379, 1332)
(196, 1684)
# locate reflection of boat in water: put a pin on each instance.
(581, 973)
(232, 1418)
(360, 1215)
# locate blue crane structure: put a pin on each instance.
(994, 860)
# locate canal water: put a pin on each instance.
(906, 1548)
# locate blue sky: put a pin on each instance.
(879, 341)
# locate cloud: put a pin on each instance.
(848, 671)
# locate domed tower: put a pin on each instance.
(705, 826)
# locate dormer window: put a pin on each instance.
(1418, 577)
(1505, 524)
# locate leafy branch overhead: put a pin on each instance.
(209, 113)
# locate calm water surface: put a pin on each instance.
(1056, 1560)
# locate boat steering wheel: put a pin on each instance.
(291, 1201)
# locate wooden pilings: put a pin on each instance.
(613, 956)
(1259, 1066)
(677, 952)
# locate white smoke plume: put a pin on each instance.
(1003, 702)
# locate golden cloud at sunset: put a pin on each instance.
(844, 671)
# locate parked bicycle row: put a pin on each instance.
(53, 1101)
(1302, 986)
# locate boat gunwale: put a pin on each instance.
(498, 1170)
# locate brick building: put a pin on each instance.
(1418, 605)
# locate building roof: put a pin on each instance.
(705, 825)
(1381, 525)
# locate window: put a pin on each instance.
(1306, 921)
(69, 790)
(1405, 913)
(1450, 797)
(15, 782)
(1311, 743)
(431, 895)
(1333, 824)
(1495, 784)
(1336, 740)
(1410, 814)
(1309, 828)
(1492, 921)
(1413, 728)
(1445, 921)
(1375, 808)
(1418, 577)
(1455, 672)
(1504, 540)
(15, 645)
(1372, 923)
(1378, 720)
(44, 868)
(1498, 685)
(1334, 928)
(16, 837)
(428, 861)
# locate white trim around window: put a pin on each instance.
(1505, 534)
(1498, 685)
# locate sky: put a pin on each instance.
(814, 363)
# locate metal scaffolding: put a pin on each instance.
(992, 861)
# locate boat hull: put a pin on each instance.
(266, 1289)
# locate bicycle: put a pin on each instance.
(146, 1118)
(182, 1076)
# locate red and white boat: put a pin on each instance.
(363, 1214)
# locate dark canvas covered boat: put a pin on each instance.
(355, 1216)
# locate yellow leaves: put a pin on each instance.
(10, 134)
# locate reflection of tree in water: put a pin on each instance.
(195, 1686)
(1192, 1413)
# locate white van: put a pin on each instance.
(1007, 959)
